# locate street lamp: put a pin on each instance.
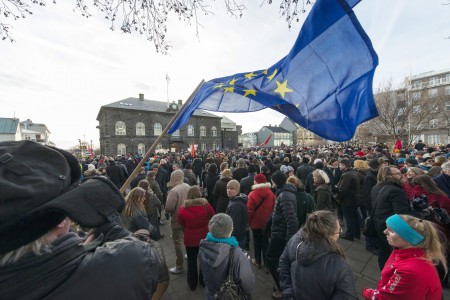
(79, 141)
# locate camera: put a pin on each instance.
(420, 203)
(431, 212)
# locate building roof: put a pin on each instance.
(150, 105)
(429, 74)
(225, 119)
(38, 127)
(27, 131)
(276, 129)
(8, 125)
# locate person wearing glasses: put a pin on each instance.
(388, 198)
(313, 265)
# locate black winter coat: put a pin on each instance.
(303, 171)
(115, 174)
(237, 210)
(314, 272)
(220, 194)
(284, 217)
(197, 166)
(247, 183)
(348, 188)
(369, 182)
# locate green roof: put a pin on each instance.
(8, 125)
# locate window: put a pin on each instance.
(121, 129)
(191, 131)
(214, 131)
(121, 149)
(432, 93)
(416, 109)
(434, 139)
(447, 105)
(159, 147)
(203, 146)
(434, 80)
(141, 149)
(214, 146)
(157, 129)
(416, 96)
(176, 133)
(202, 131)
(434, 123)
(140, 128)
(447, 90)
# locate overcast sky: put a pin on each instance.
(63, 67)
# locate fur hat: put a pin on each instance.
(260, 178)
(279, 178)
(234, 184)
(51, 191)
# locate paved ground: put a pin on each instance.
(363, 263)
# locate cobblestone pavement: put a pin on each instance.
(362, 262)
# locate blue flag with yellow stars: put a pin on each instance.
(324, 84)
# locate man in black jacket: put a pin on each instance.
(247, 182)
(303, 171)
(347, 196)
(284, 224)
(369, 182)
(35, 246)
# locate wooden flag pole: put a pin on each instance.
(163, 134)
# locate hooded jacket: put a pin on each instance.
(194, 216)
(214, 266)
(237, 210)
(176, 196)
(260, 195)
(314, 272)
(121, 269)
(284, 216)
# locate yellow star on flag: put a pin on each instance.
(228, 89)
(273, 74)
(249, 92)
(282, 88)
(232, 81)
(250, 75)
(265, 72)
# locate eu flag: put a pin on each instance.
(324, 84)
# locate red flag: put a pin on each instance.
(91, 151)
(265, 143)
(193, 150)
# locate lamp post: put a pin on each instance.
(81, 149)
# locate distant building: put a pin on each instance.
(36, 132)
(132, 125)
(230, 133)
(249, 139)
(10, 130)
(280, 136)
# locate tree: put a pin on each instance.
(403, 113)
(146, 17)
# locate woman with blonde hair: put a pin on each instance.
(410, 271)
(134, 216)
(313, 265)
(322, 193)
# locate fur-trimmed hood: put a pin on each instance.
(261, 186)
(194, 202)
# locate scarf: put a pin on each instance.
(229, 240)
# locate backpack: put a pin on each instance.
(229, 290)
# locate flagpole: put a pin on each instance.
(163, 134)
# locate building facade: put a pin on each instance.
(10, 130)
(280, 136)
(37, 132)
(133, 125)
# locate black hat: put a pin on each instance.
(374, 163)
(40, 186)
(279, 178)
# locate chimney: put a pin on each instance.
(180, 102)
(141, 97)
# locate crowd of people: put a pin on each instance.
(282, 209)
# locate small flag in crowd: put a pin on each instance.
(266, 142)
(193, 150)
(324, 84)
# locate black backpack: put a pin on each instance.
(229, 290)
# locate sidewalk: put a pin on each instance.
(362, 262)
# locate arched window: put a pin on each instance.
(121, 129)
(141, 149)
(140, 128)
(121, 149)
(202, 131)
(203, 146)
(159, 147)
(214, 131)
(157, 128)
(190, 130)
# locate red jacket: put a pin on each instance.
(260, 192)
(407, 275)
(194, 216)
(408, 188)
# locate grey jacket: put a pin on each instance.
(314, 272)
(214, 265)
